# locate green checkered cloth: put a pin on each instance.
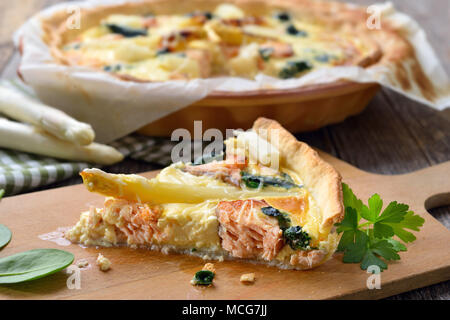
(20, 171)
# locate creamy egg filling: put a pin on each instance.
(227, 41)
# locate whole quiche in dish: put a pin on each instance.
(232, 62)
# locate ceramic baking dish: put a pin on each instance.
(302, 109)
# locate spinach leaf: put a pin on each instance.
(323, 57)
(5, 233)
(283, 219)
(297, 238)
(283, 16)
(127, 32)
(113, 68)
(293, 68)
(162, 51)
(209, 158)
(265, 53)
(254, 181)
(294, 236)
(203, 277)
(5, 236)
(33, 264)
(293, 31)
(208, 15)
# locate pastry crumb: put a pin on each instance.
(103, 262)
(82, 263)
(248, 278)
(209, 267)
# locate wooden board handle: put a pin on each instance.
(430, 186)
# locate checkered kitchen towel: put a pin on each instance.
(20, 171)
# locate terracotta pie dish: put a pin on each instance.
(302, 109)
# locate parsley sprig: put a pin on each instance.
(370, 242)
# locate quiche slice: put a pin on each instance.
(267, 198)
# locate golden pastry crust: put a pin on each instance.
(320, 178)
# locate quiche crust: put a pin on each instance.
(320, 178)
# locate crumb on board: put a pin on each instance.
(103, 262)
(210, 267)
(248, 278)
(82, 263)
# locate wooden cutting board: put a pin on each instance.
(143, 274)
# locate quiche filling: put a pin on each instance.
(227, 41)
(220, 206)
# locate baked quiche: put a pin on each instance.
(149, 42)
(267, 198)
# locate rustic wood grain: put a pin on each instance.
(393, 135)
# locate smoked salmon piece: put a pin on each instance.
(137, 222)
(228, 170)
(246, 232)
(278, 49)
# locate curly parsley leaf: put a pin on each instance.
(371, 242)
(371, 259)
(349, 226)
(397, 245)
(410, 221)
(384, 249)
(369, 251)
(350, 200)
(371, 212)
(355, 251)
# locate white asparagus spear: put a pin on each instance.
(24, 137)
(19, 107)
(133, 187)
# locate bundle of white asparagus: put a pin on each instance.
(48, 131)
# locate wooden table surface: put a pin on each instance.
(393, 135)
